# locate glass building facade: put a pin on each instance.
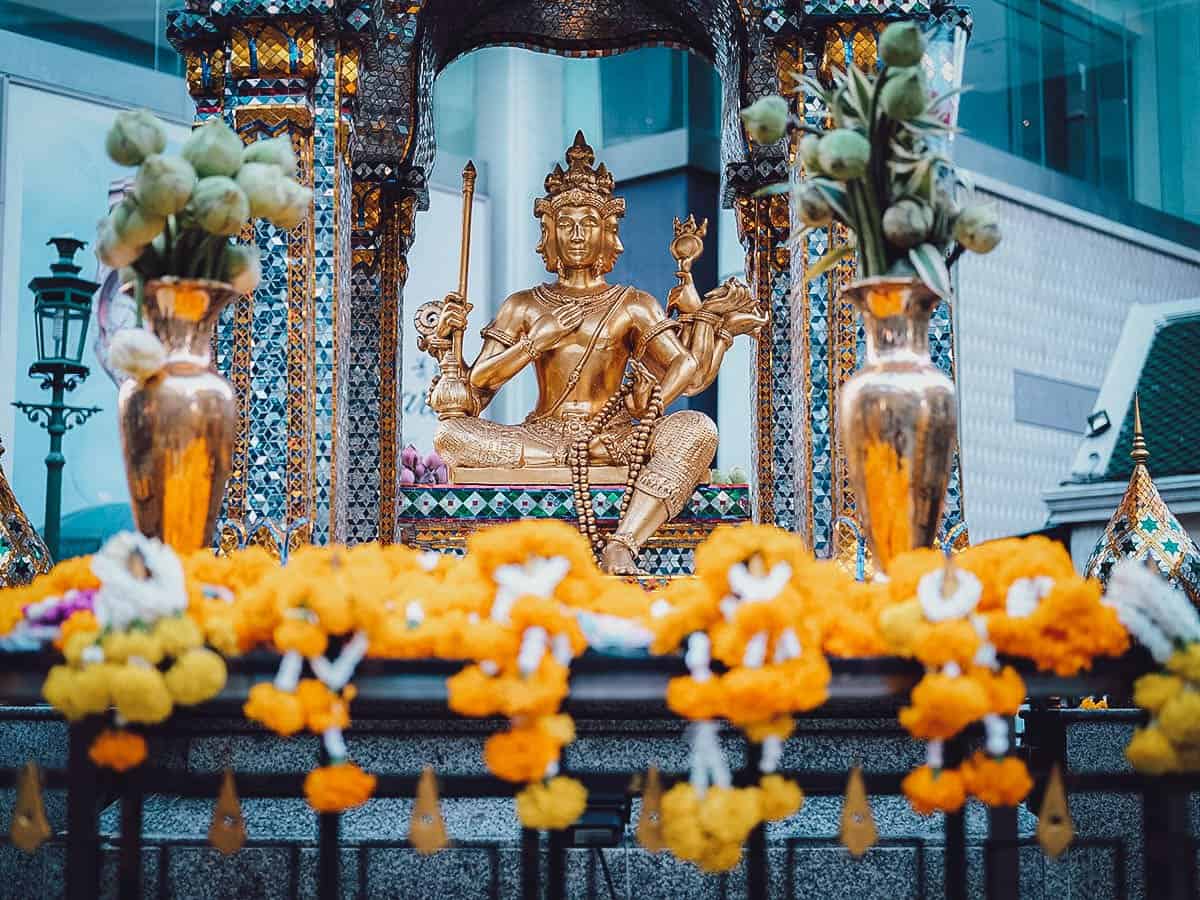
(132, 31)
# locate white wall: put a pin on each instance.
(1050, 300)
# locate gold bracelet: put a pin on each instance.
(702, 316)
(527, 345)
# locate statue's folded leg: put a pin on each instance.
(479, 443)
(682, 447)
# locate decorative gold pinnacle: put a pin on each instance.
(1140, 454)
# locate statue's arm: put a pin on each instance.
(505, 351)
(685, 360)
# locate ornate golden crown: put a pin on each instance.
(580, 184)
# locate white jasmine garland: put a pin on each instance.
(941, 607)
(771, 754)
(788, 646)
(335, 744)
(935, 754)
(756, 651)
(125, 596)
(708, 762)
(1156, 613)
(748, 588)
(996, 731)
(287, 676)
(698, 656)
(1026, 594)
(533, 648)
(538, 577)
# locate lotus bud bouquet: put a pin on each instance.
(879, 168)
(184, 210)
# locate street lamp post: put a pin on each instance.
(62, 303)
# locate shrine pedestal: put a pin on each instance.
(441, 517)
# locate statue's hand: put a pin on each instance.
(453, 316)
(637, 401)
(551, 328)
(683, 297)
(730, 297)
(744, 322)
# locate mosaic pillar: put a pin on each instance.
(286, 71)
(382, 232)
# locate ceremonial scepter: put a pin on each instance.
(451, 397)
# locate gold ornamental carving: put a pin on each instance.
(607, 360)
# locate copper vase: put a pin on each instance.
(177, 426)
(897, 419)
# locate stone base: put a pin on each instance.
(442, 517)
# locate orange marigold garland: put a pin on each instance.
(118, 750)
(750, 608)
(338, 787)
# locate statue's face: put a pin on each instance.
(579, 236)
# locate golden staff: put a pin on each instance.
(464, 258)
(451, 397)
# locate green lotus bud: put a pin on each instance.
(766, 119)
(737, 475)
(844, 153)
(265, 188)
(907, 223)
(218, 206)
(134, 225)
(810, 154)
(112, 251)
(903, 95)
(214, 149)
(812, 206)
(242, 267)
(977, 228)
(716, 476)
(276, 152)
(299, 200)
(134, 135)
(901, 44)
(164, 184)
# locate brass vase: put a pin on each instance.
(897, 419)
(177, 426)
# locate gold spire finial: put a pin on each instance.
(1140, 454)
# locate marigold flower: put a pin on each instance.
(520, 754)
(1151, 692)
(303, 637)
(1179, 718)
(80, 622)
(118, 750)
(553, 805)
(930, 791)
(942, 706)
(198, 675)
(75, 694)
(338, 788)
(781, 797)
(277, 710)
(140, 693)
(996, 782)
(1151, 752)
(178, 634)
